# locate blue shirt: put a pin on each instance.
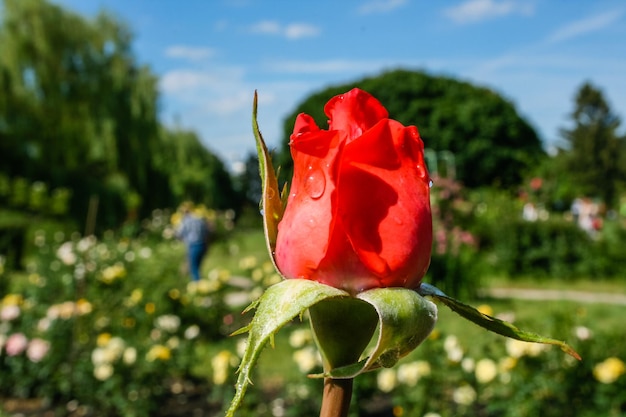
(193, 230)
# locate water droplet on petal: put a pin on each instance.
(430, 183)
(315, 183)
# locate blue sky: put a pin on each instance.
(211, 55)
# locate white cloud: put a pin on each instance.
(289, 31)
(472, 11)
(191, 53)
(177, 81)
(381, 6)
(301, 30)
(585, 26)
(268, 27)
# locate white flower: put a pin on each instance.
(130, 355)
(37, 349)
(517, 349)
(173, 342)
(103, 371)
(386, 380)
(167, 322)
(116, 345)
(410, 373)
(86, 243)
(242, 343)
(306, 359)
(582, 332)
(468, 364)
(66, 254)
(464, 395)
(300, 337)
(453, 349)
(486, 370)
(192, 332)
(9, 312)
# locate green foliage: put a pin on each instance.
(553, 246)
(455, 267)
(492, 144)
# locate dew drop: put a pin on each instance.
(315, 183)
(430, 183)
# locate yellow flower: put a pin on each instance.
(486, 370)
(12, 300)
(103, 339)
(150, 308)
(159, 352)
(221, 366)
(112, 273)
(136, 295)
(83, 306)
(485, 309)
(609, 370)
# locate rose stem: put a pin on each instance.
(337, 396)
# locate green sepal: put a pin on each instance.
(493, 324)
(405, 319)
(278, 305)
(272, 202)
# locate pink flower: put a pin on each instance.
(16, 344)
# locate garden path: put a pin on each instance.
(560, 295)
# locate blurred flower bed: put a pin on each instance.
(112, 327)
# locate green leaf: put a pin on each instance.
(343, 327)
(493, 324)
(272, 202)
(279, 304)
(405, 319)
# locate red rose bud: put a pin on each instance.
(358, 214)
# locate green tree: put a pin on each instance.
(491, 142)
(194, 172)
(594, 153)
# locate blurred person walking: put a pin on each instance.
(195, 233)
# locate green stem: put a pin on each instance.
(337, 396)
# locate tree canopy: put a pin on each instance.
(491, 143)
(594, 154)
